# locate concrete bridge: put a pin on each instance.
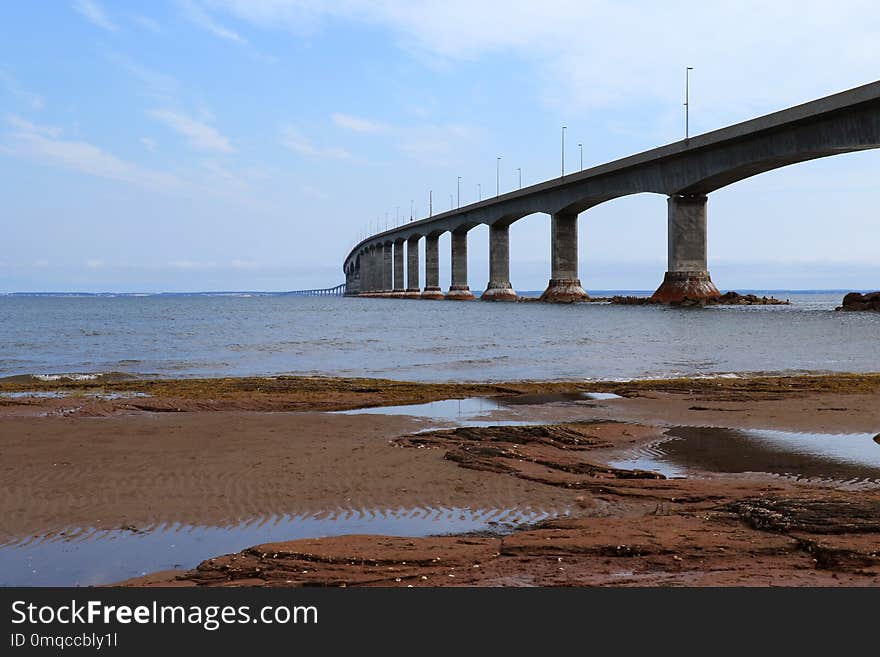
(336, 291)
(686, 172)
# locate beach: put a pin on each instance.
(532, 484)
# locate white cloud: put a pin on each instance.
(204, 20)
(94, 263)
(147, 23)
(25, 126)
(94, 13)
(296, 141)
(600, 53)
(43, 143)
(358, 124)
(200, 135)
(33, 100)
(149, 144)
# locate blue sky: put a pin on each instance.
(246, 144)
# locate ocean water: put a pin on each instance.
(231, 335)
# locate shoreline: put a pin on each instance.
(215, 452)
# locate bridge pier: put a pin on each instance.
(432, 268)
(365, 271)
(375, 271)
(459, 290)
(398, 290)
(387, 274)
(499, 287)
(687, 272)
(412, 268)
(564, 286)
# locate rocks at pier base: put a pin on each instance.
(433, 293)
(857, 301)
(680, 285)
(498, 292)
(726, 299)
(459, 293)
(564, 290)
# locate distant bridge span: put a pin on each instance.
(336, 291)
(686, 171)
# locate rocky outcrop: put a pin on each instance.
(857, 301)
(726, 299)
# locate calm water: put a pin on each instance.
(430, 341)
(849, 459)
(87, 556)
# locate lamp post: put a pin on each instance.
(519, 171)
(451, 203)
(563, 152)
(581, 149)
(458, 190)
(498, 176)
(687, 104)
(430, 203)
(411, 206)
(479, 192)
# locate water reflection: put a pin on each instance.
(88, 556)
(849, 459)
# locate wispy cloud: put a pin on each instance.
(44, 144)
(159, 86)
(198, 15)
(149, 144)
(25, 126)
(14, 88)
(200, 136)
(95, 14)
(358, 124)
(632, 55)
(296, 141)
(147, 23)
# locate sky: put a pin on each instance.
(196, 145)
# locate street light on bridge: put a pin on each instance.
(498, 176)
(459, 191)
(563, 151)
(479, 192)
(581, 149)
(687, 104)
(519, 171)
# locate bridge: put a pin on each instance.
(337, 291)
(686, 172)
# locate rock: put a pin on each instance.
(877, 439)
(726, 299)
(858, 301)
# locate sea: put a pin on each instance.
(267, 334)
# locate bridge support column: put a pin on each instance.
(387, 274)
(564, 286)
(459, 290)
(499, 288)
(412, 268)
(375, 271)
(370, 271)
(398, 290)
(687, 274)
(432, 268)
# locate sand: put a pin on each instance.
(238, 450)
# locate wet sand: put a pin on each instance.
(209, 453)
